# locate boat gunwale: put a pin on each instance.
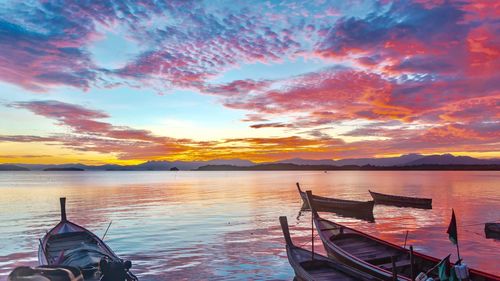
(336, 200)
(406, 199)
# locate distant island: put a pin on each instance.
(413, 161)
(64, 169)
(12, 168)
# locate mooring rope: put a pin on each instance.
(307, 242)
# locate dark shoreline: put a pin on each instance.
(285, 167)
(294, 167)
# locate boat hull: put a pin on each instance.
(374, 264)
(349, 208)
(401, 201)
(68, 244)
(56, 245)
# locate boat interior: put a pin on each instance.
(60, 243)
(374, 252)
(320, 269)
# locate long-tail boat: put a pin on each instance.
(401, 201)
(309, 266)
(68, 244)
(377, 257)
(351, 208)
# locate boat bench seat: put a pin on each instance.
(398, 264)
(68, 236)
(66, 241)
(381, 258)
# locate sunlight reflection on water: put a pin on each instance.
(224, 225)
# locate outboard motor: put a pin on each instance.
(46, 273)
(116, 270)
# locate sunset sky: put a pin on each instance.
(130, 81)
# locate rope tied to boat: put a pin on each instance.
(307, 242)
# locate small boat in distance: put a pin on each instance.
(350, 208)
(68, 244)
(310, 266)
(492, 230)
(377, 257)
(401, 201)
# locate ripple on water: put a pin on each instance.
(224, 225)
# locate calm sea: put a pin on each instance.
(224, 225)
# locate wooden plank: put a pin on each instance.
(362, 247)
(373, 259)
(399, 264)
(349, 241)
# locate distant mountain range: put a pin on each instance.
(146, 166)
(7, 167)
(403, 160)
(407, 160)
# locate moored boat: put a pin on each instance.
(310, 266)
(351, 208)
(492, 230)
(68, 244)
(401, 201)
(378, 257)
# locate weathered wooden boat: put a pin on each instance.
(351, 208)
(68, 244)
(378, 257)
(401, 201)
(492, 230)
(310, 266)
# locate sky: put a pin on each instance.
(131, 81)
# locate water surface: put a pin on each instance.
(224, 225)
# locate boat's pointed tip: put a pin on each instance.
(62, 200)
(286, 230)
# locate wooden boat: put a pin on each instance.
(351, 208)
(378, 257)
(402, 201)
(68, 244)
(309, 266)
(492, 230)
